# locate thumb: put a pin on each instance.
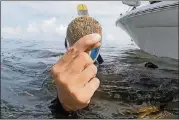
(87, 42)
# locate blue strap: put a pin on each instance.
(94, 53)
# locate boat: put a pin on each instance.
(153, 27)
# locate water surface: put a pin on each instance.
(26, 90)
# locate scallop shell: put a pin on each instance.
(81, 26)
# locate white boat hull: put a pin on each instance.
(154, 28)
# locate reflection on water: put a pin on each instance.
(27, 91)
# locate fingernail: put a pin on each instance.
(96, 37)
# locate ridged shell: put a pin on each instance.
(81, 26)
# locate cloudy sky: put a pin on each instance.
(48, 20)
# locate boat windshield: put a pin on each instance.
(153, 2)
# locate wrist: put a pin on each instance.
(65, 107)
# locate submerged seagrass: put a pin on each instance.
(81, 26)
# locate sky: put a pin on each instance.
(48, 20)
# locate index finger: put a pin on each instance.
(80, 46)
(87, 42)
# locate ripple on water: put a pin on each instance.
(27, 88)
(38, 53)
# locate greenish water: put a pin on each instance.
(26, 90)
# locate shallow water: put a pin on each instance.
(26, 91)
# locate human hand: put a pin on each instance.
(75, 74)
